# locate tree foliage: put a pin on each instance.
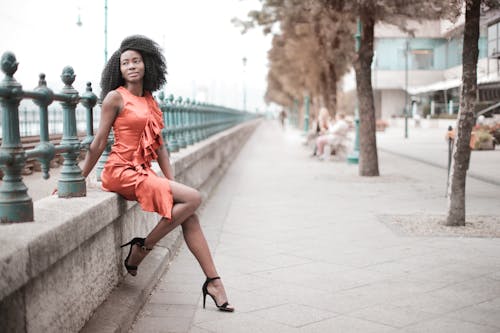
(312, 49)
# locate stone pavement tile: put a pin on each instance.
(479, 314)
(167, 297)
(294, 315)
(146, 324)
(281, 260)
(429, 303)
(449, 325)
(168, 310)
(409, 266)
(229, 264)
(246, 302)
(345, 324)
(386, 291)
(474, 291)
(249, 282)
(185, 286)
(196, 329)
(317, 280)
(245, 323)
(455, 273)
(494, 276)
(394, 316)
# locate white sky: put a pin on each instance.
(204, 50)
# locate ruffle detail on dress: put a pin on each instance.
(151, 137)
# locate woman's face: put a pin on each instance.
(132, 66)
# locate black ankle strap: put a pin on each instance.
(211, 279)
(142, 244)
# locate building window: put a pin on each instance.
(493, 40)
(422, 59)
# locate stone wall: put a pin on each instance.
(56, 271)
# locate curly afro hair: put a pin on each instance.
(155, 67)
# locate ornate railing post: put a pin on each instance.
(188, 117)
(104, 157)
(196, 121)
(173, 146)
(181, 125)
(163, 108)
(89, 100)
(71, 182)
(15, 203)
(45, 149)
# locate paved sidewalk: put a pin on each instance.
(430, 146)
(301, 247)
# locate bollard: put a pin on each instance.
(71, 182)
(15, 203)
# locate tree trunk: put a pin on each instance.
(332, 91)
(461, 149)
(368, 159)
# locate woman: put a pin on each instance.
(131, 74)
(320, 128)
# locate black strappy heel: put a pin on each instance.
(131, 269)
(223, 307)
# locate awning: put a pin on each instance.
(452, 83)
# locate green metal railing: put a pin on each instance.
(187, 122)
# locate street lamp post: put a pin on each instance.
(244, 84)
(406, 89)
(353, 158)
(105, 31)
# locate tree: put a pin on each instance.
(310, 53)
(369, 13)
(466, 118)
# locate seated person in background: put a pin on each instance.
(319, 128)
(336, 134)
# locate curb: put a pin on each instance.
(120, 309)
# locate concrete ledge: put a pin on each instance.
(56, 271)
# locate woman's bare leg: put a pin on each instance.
(186, 201)
(197, 244)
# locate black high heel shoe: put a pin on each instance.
(131, 269)
(223, 307)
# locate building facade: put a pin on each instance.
(422, 73)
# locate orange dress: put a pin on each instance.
(137, 130)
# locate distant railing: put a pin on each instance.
(187, 122)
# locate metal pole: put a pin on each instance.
(406, 90)
(105, 31)
(353, 158)
(244, 84)
(306, 116)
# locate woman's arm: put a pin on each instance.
(164, 162)
(111, 106)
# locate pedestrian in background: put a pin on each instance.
(282, 117)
